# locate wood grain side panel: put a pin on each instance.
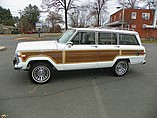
(81, 56)
(107, 55)
(57, 56)
(54, 55)
(132, 52)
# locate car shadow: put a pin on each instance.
(88, 74)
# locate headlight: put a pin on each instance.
(19, 54)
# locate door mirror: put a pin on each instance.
(69, 44)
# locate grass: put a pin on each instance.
(36, 37)
(52, 34)
(151, 41)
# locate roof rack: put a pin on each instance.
(118, 28)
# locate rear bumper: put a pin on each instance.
(143, 62)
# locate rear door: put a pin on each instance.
(108, 49)
(131, 48)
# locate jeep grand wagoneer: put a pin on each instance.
(80, 48)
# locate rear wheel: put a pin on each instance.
(40, 73)
(120, 68)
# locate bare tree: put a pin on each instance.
(74, 17)
(96, 8)
(54, 18)
(83, 19)
(83, 15)
(78, 16)
(128, 3)
(149, 4)
(134, 3)
(66, 5)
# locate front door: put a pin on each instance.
(82, 53)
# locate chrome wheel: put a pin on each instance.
(40, 73)
(120, 68)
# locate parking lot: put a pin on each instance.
(79, 94)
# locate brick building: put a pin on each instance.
(135, 19)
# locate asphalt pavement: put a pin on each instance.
(79, 94)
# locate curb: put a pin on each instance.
(2, 48)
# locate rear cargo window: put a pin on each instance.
(125, 39)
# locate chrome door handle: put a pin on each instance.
(117, 46)
(94, 46)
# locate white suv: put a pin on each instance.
(80, 48)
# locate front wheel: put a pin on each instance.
(120, 68)
(40, 73)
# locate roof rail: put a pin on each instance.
(118, 28)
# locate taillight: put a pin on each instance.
(142, 53)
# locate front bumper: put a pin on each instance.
(16, 64)
(17, 67)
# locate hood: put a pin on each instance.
(37, 45)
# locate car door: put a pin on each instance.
(130, 48)
(81, 52)
(108, 49)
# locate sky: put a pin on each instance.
(19, 4)
(16, 5)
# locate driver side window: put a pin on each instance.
(84, 38)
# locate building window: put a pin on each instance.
(145, 16)
(133, 26)
(133, 15)
(114, 18)
(120, 15)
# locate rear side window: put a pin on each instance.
(126, 39)
(105, 38)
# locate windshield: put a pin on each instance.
(66, 36)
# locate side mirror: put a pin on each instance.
(70, 44)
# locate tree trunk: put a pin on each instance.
(65, 11)
(66, 24)
(98, 22)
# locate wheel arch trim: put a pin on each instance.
(39, 59)
(121, 58)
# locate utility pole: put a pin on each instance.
(123, 15)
